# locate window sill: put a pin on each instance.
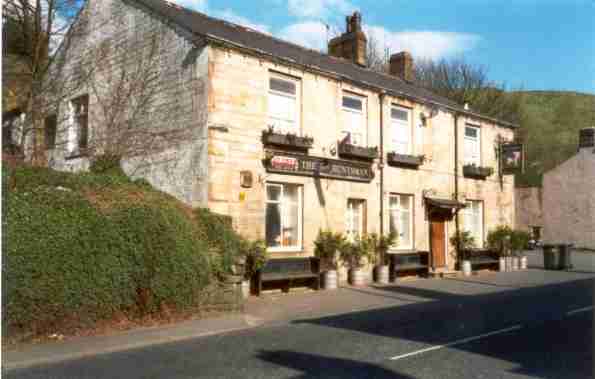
(285, 250)
(402, 251)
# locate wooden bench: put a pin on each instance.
(414, 261)
(289, 269)
(483, 258)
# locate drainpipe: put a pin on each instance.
(381, 163)
(456, 125)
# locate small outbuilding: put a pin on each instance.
(569, 197)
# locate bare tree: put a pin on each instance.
(466, 83)
(126, 83)
(36, 36)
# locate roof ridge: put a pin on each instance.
(247, 28)
(269, 44)
(271, 36)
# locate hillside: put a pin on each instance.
(550, 127)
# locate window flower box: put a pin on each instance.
(290, 140)
(347, 150)
(405, 160)
(477, 172)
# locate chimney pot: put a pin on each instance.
(401, 65)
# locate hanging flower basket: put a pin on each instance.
(477, 172)
(347, 150)
(270, 137)
(405, 160)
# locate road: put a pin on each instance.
(543, 331)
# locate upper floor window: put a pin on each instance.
(284, 104)
(401, 219)
(78, 133)
(400, 130)
(354, 120)
(473, 220)
(355, 220)
(283, 217)
(472, 145)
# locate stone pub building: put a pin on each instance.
(294, 140)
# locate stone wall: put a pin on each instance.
(162, 138)
(529, 207)
(569, 201)
(238, 114)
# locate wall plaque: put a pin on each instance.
(306, 165)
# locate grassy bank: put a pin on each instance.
(80, 248)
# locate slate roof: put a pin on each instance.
(243, 37)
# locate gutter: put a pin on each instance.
(456, 175)
(381, 163)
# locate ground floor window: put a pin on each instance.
(473, 220)
(401, 219)
(283, 216)
(355, 220)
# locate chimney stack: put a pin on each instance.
(586, 138)
(352, 44)
(401, 65)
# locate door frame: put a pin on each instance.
(444, 220)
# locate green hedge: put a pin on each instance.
(82, 247)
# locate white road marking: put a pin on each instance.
(584, 309)
(457, 342)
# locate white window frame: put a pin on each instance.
(296, 129)
(468, 215)
(362, 128)
(399, 209)
(398, 123)
(355, 205)
(300, 207)
(476, 159)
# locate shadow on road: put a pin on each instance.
(449, 317)
(317, 366)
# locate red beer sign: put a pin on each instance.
(284, 163)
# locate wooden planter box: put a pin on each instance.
(477, 172)
(347, 150)
(286, 140)
(404, 160)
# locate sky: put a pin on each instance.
(525, 44)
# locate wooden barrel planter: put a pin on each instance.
(357, 277)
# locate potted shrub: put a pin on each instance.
(380, 245)
(463, 242)
(255, 253)
(326, 248)
(499, 241)
(518, 240)
(354, 254)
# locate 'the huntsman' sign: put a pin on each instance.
(287, 163)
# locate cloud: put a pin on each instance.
(310, 34)
(231, 16)
(425, 44)
(320, 9)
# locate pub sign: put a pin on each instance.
(512, 158)
(307, 165)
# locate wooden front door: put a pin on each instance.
(438, 240)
